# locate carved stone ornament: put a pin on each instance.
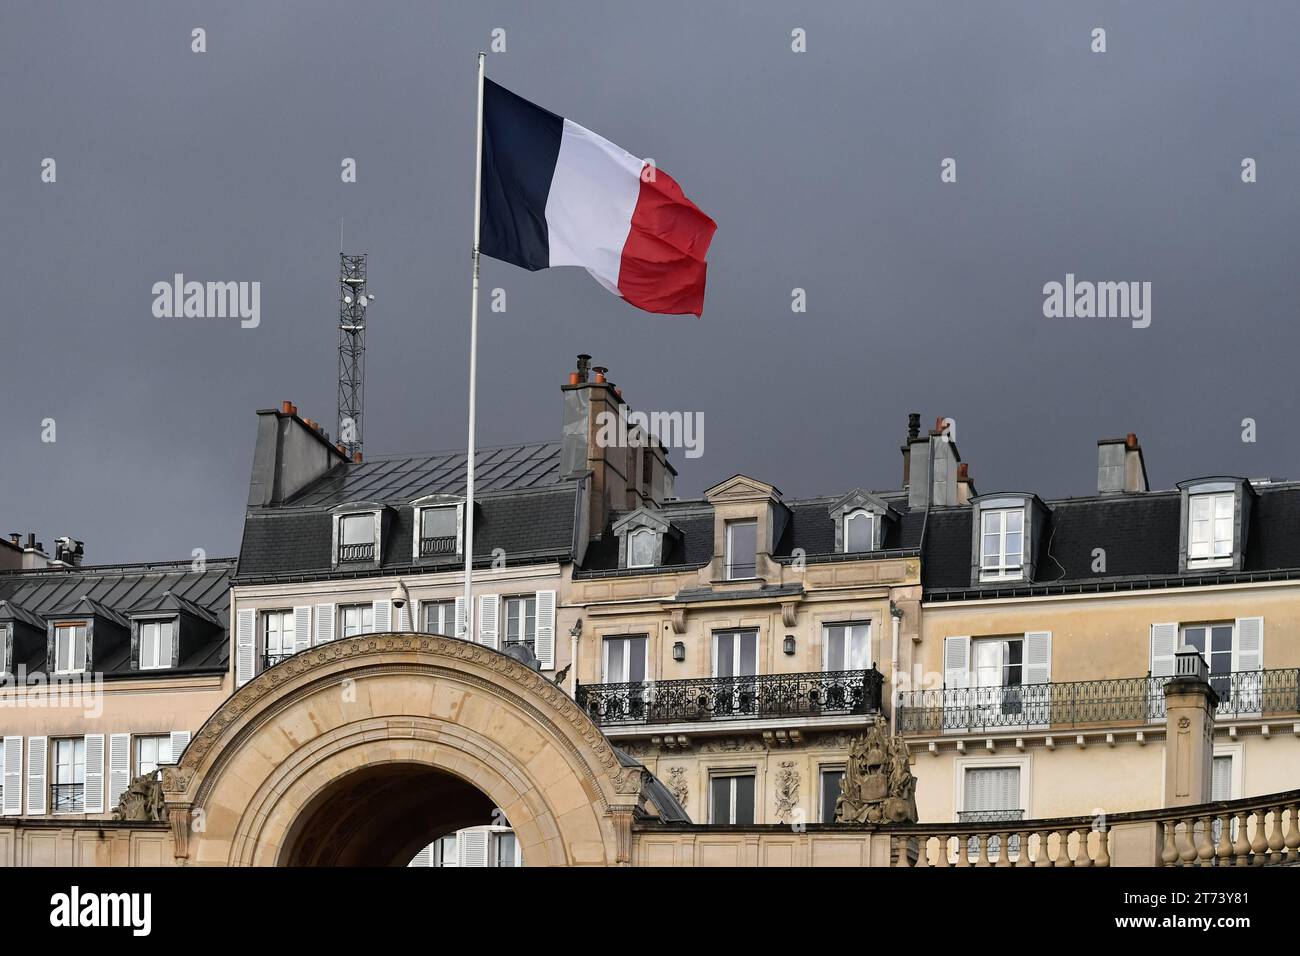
(787, 791)
(677, 784)
(878, 786)
(142, 800)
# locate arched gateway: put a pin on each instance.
(363, 750)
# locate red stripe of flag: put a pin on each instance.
(663, 267)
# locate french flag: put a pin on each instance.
(556, 194)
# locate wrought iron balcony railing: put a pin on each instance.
(443, 544)
(68, 797)
(1077, 703)
(827, 693)
(357, 552)
(269, 659)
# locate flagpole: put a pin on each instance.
(473, 369)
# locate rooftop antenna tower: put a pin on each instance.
(353, 303)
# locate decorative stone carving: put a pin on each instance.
(677, 784)
(787, 791)
(878, 786)
(142, 800)
(732, 745)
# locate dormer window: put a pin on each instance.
(742, 549)
(70, 648)
(1215, 516)
(857, 531)
(1002, 544)
(357, 534)
(439, 527)
(157, 644)
(641, 548)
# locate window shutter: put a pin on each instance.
(119, 767)
(403, 619)
(487, 620)
(956, 661)
(36, 775)
(245, 646)
(1164, 644)
(545, 643)
(1221, 779)
(1248, 650)
(13, 776)
(180, 739)
(460, 618)
(424, 857)
(1038, 657)
(93, 791)
(301, 628)
(382, 616)
(324, 623)
(473, 845)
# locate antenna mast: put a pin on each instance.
(353, 303)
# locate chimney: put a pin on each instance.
(913, 434)
(941, 486)
(291, 452)
(626, 469)
(965, 484)
(1120, 466)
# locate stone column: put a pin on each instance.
(1190, 703)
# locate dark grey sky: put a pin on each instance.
(821, 169)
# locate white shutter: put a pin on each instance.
(992, 788)
(36, 760)
(245, 646)
(1038, 657)
(382, 617)
(423, 858)
(13, 776)
(301, 627)
(119, 767)
(1221, 778)
(93, 790)
(487, 620)
(473, 845)
(1164, 645)
(956, 662)
(180, 739)
(545, 644)
(403, 619)
(460, 618)
(324, 623)
(1247, 662)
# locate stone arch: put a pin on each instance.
(288, 745)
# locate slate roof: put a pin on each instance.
(117, 591)
(402, 479)
(1139, 533)
(521, 507)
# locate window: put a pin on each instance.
(731, 799)
(742, 549)
(998, 673)
(439, 531)
(641, 548)
(152, 752)
(156, 644)
(505, 849)
(356, 619)
(521, 620)
(1002, 544)
(848, 647)
(356, 537)
(624, 660)
(857, 531)
(735, 654)
(1221, 789)
(278, 636)
(1215, 642)
(446, 852)
(69, 648)
(1209, 530)
(991, 795)
(69, 775)
(831, 778)
(440, 617)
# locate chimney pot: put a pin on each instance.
(31, 539)
(286, 407)
(600, 371)
(575, 378)
(584, 366)
(1131, 440)
(357, 458)
(963, 472)
(913, 425)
